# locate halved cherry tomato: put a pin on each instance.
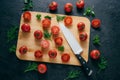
(65, 57)
(68, 7)
(55, 30)
(80, 26)
(38, 34)
(45, 44)
(25, 27)
(96, 23)
(95, 54)
(52, 53)
(80, 4)
(38, 54)
(23, 49)
(83, 36)
(46, 23)
(27, 16)
(42, 68)
(68, 20)
(53, 5)
(58, 41)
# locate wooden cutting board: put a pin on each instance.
(33, 44)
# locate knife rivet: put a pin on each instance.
(79, 57)
(83, 62)
(86, 68)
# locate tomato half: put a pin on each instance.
(82, 36)
(25, 27)
(58, 41)
(45, 44)
(42, 68)
(52, 53)
(23, 49)
(95, 54)
(68, 20)
(27, 16)
(80, 26)
(65, 57)
(38, 34)
(80, 4)
(55, 30)
(96, 23)
(46, 23)
(38, 54)
(68, 7)
(53, 5)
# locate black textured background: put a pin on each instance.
(108, 11)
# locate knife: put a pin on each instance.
(75, 47)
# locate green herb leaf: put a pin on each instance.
(59, 18)
(73, 74)
(48, 17)
(47, 35)
(31, 67)
(61, 48)
(89, 12)
(12, 49)
(38, 16)
(96, 40)
(28, 5)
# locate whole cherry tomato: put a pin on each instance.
(80, 26)
(25, 27)
(42, 68)
(95, 54)
(83, 36)
(52, 53)
(27, 16)
(23, 49)
(38, 34)
(65, 57)
(96, 23)
(53, 6)
(68, 7)
(80, 4)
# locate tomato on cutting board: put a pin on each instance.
(82, 36)
(68, 7)
(96, 23)
(42, 68)
(23, 49)
(68, 21)
(95, 54)
(52, 53)
(80, 4)
(46, 23)
(55, 30)
(38, 34)
(25, 27)
(45, 44)
(53, 6)
(80, 26)
(65, 57)
(38, 54)
(27, 16)
(58, 41)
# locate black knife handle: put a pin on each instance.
(85, 67)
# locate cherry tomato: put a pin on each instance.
(45, 44)
(46, 23)
(58, 41)
(38, 34)
(83, 36)
(52, 53)
(80, 4)
(23, 49)
(80, 26)
(42, 68)
(65, 57)
(96, 23)
(68, 7)
(53, 6)
(55, 30)
(27, 16)
(25, 28)
(38, 54)
(68, 21)
(95, 54)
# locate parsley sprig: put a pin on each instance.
(61, 48)
(12, 49)
(28, 5)
(59, 18)
(96, 40)
(38, 16)
(48, 17)
(89, 12)
(47, 35)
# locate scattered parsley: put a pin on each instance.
(38, 16)
(31, 67)
(47, 35)
(12, 49)
(59, 18)
(48, 17)
(96, 40)
(73, 74)
(61, 48)
(89, 12)
(28, 5)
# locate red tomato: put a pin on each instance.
(80, 26)
(46, 23)
(38, 34)
(42, 68)
(95, 54)
(55, 30)
(83, 36)
(53, 5)
(96, 23)
(25, 28)
(80, 4)
(45, 44)
(58, 41)
(68, 7)
(23, 49)
(65, 57)
(52, 53)
(68, 20)
(27, 16)
(38, 54)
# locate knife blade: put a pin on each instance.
(75, 47)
